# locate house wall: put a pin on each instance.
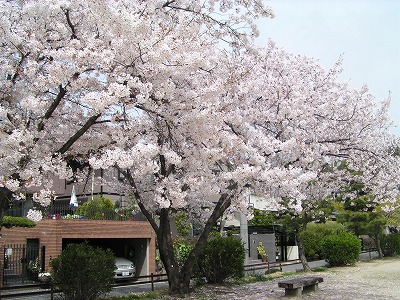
(51, 233)
(268, 240)
(91, 187)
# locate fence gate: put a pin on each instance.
(22, 262)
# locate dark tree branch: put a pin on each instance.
(143, 209)
(73, 36)
(91, 121)
(21, 61)
(52, 107)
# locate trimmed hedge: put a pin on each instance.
(341, 249)
(9, 221)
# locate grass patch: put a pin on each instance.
(144, 296)
(272, 271)
(268, 276)
(320, 269)
(252, 279)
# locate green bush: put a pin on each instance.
(182, 249)
(314, 235)
(83, 272)
(183, 226)
(9, 221)
(341, 249)
(391, 244)
(97, 209)
(222, 258)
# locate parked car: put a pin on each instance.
(124, 268)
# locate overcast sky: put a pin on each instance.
(365, 32)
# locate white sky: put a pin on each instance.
(365, 32)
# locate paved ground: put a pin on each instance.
(375, 279)
(117, 291)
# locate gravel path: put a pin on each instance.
(376, 279)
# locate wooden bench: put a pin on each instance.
(295, 286)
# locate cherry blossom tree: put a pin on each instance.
(326, 122)
(127, 84)
(175, 95)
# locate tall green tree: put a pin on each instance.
(361, 215)
(296, 222)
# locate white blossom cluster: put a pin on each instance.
(34, 215)
(44, 197)
(177, 96)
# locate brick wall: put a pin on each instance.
(51, 232)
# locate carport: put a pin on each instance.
(133, 249)
(128, 239)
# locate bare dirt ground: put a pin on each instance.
(375, 279)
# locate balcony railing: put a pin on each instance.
(64, 211)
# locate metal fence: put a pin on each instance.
(22, 263)
(64, 211)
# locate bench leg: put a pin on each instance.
(293, 292)
(310, 288)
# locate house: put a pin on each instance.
(130, 236)
(278, 245)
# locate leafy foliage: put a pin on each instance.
(9, 221)
(315, 233)
(391, 244)
(222, 258)
(97, 209)
(359, 211)
(182, 249)
(262, 218)
(341, 249)
(83, 272)
(182, 225)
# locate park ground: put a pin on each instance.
(377, 279)
(372, 279)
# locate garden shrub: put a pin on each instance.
(9, 221)
(97, 209)
(221, 258)
(182, 249)
(341, 249)
(314, 235)
(83, 272)
(390, 244)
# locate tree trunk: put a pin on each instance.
(187, 270)
(179, 279)
(302, 255)
(5, 197)
(166, 248)
(378, 246)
